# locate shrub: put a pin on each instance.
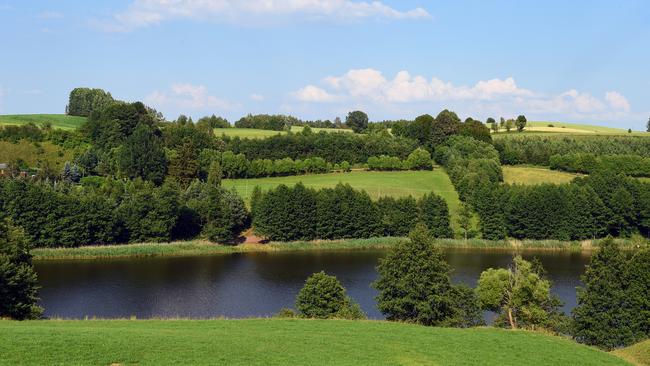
(324, 297)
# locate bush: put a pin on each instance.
(324, 297)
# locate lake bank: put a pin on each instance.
(198, 247)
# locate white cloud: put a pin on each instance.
(142, 13)
(369, 87)
(257, 97)
(184, 96)
(617, 101)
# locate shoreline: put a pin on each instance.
(201, 247)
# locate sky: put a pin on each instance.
(572, 61)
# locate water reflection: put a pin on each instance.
(245, 285)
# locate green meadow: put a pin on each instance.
(280, 342)
(550, 128)
(531, 175)
(62, 121)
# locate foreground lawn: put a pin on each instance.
(62, 121)
(535, 175)
(257, 134)
(377, 184)
(280, 342)
(638, 354)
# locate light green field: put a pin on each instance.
(34, 154)
(541, 128)
(638, 354)
(62, 121)
(256, 134)
(280, 342)
(377, 184)
(530, 175)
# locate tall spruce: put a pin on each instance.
(602, 317)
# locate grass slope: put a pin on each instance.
(280, 342)
(531, 175)
(34, 153)
(377, 184)
(62, 121)
(541, 128)
(256, 134)
(638, 354)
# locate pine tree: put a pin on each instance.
(602, 318)
(184, 167)
(637, 278)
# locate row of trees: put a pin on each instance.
(277, 122)
(300, 213)
(586, 163)
(419, 159)
(537, 150)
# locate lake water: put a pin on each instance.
(248, 284)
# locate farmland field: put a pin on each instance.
(541, 128)
(57, 120)
(280, 342)
(530, 175)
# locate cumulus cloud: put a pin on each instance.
(142, 13)
(502, 96)
(184, 96)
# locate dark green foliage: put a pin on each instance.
(184, 165)
(445, 125)
(520, 122)
(143, 155)
(414, 286)
(333, 147)
(434, 213)
(150, 214)
(266, 122)
(84, 101)
(586, 163)
(29, 132)
(324, 297)
(637, 278)
(18, 281)
(602, 317)
(343, 212)
(538, 150)
(175, 135)
(209, 123)
(111, 126)
(398, 215)
(357, 121)
(475, 129)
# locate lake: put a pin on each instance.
(247, 284)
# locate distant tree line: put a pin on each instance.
(85, 101)
(276, 122)
(537, 150)
(300, 213)
(586, 163)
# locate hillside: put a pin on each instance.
(638, 354)
(560, 128)
(257, 133)
(62, 121)
(281, 342)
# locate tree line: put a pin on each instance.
(587, 163)
(300, 213)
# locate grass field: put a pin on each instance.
(531, 175)
(541, 128)
(377, 184)
(255, 133)
(638, 354)
(33, 154)
(57, 120)
(280, 342)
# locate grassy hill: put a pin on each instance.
(62, 121)
(34, 154)
(638, 354)
(256, 134)
(562, 128)
(280, 342)
(531, 175)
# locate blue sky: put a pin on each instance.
(577, 61)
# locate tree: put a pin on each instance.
(83, 101)
(357, 121)
(520, 295)
(419, 159)
(637, 278)
(520, 123)
(143, 155)
(71, 173)
(647, 126)
(494, 124)
(509, 124)
(324, 297)
(446, 124)
(414, 286)
(601, 317)
(184, 166)
(215, 174)
(465, 218)
(18, 281)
